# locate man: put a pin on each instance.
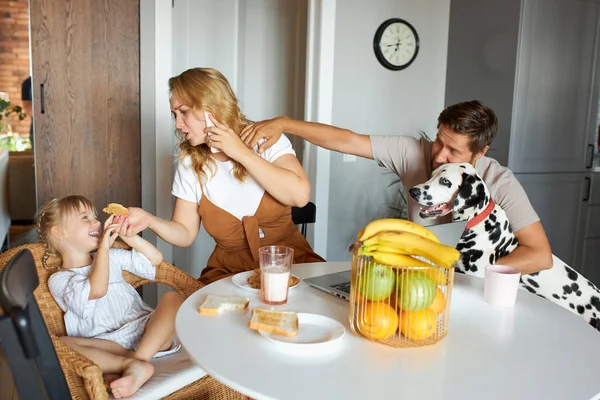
(465, 132)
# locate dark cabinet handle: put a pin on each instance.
(589, 187)
(591, 156)
(42, 105)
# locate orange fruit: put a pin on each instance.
(418, 325)
(377, 320)
(439, 303)
(437, 275)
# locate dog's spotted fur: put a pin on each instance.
(467, 196)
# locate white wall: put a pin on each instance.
(260, 47)
(370, 99)
(346, 86)
(156, 141)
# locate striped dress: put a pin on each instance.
(119, 316)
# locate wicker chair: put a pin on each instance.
(84, 378)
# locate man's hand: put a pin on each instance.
(271, 130)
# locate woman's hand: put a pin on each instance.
(271, 130)
(225, 139)
(139, 219)
(111, 231)
(126, 230)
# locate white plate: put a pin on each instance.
(241, 280)
(313, 330)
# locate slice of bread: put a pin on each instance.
(284, 323)
(115, 209)
(213, 305)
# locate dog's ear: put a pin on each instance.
(471, 192)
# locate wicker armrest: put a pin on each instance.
(72, 361)
(165, 273)
(169, 275)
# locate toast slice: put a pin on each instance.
(284, 323)
(115, 209)
(213, 305)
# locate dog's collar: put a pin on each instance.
(480, 217)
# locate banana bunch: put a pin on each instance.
(395, 241)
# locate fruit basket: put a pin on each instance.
(401, 284)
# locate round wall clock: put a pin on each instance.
(396, 44)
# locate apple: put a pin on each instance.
(416, 291)
(376, 282)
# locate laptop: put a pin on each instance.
(338, 283)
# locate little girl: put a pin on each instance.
(106, 319)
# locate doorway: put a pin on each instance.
(260, 47)
(17, 170)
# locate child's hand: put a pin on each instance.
(111, 231)
(126, 230)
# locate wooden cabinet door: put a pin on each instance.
(86, 83)
(555, 109)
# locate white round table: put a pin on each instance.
(536, 350)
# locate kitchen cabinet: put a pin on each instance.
(534, 63)
(558, 209)
(590, 247)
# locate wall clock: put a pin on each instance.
(396, 44)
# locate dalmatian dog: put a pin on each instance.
(457, 188)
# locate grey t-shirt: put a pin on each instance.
(410, 159)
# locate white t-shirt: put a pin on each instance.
(410, 159)
(120, 315)
(240, 199)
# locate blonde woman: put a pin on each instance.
(243, 199)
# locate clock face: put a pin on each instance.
(396, 44)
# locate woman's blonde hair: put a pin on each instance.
(206, 89)
(54, 214)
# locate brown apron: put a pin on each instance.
(238, 241)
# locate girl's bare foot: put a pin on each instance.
(135, 375)
(110, 378)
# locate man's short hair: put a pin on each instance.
(474, 119)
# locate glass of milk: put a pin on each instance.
(275, 266)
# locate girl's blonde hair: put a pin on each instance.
(206, 89)
(54, 214)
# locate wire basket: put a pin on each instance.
(399, 306)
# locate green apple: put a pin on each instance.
(416, 291)
(376, 282)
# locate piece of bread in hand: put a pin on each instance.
(284, 323)
(213, 305)
(115, 209)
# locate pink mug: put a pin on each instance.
(501, 284)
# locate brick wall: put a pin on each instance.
(14, 55)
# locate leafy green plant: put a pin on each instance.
(6, 110)
(8, 140)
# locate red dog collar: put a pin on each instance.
(480, 217)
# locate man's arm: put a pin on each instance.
(533, 253)
(326, 136)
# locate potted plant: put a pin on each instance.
(6, 109)
(7, 139)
